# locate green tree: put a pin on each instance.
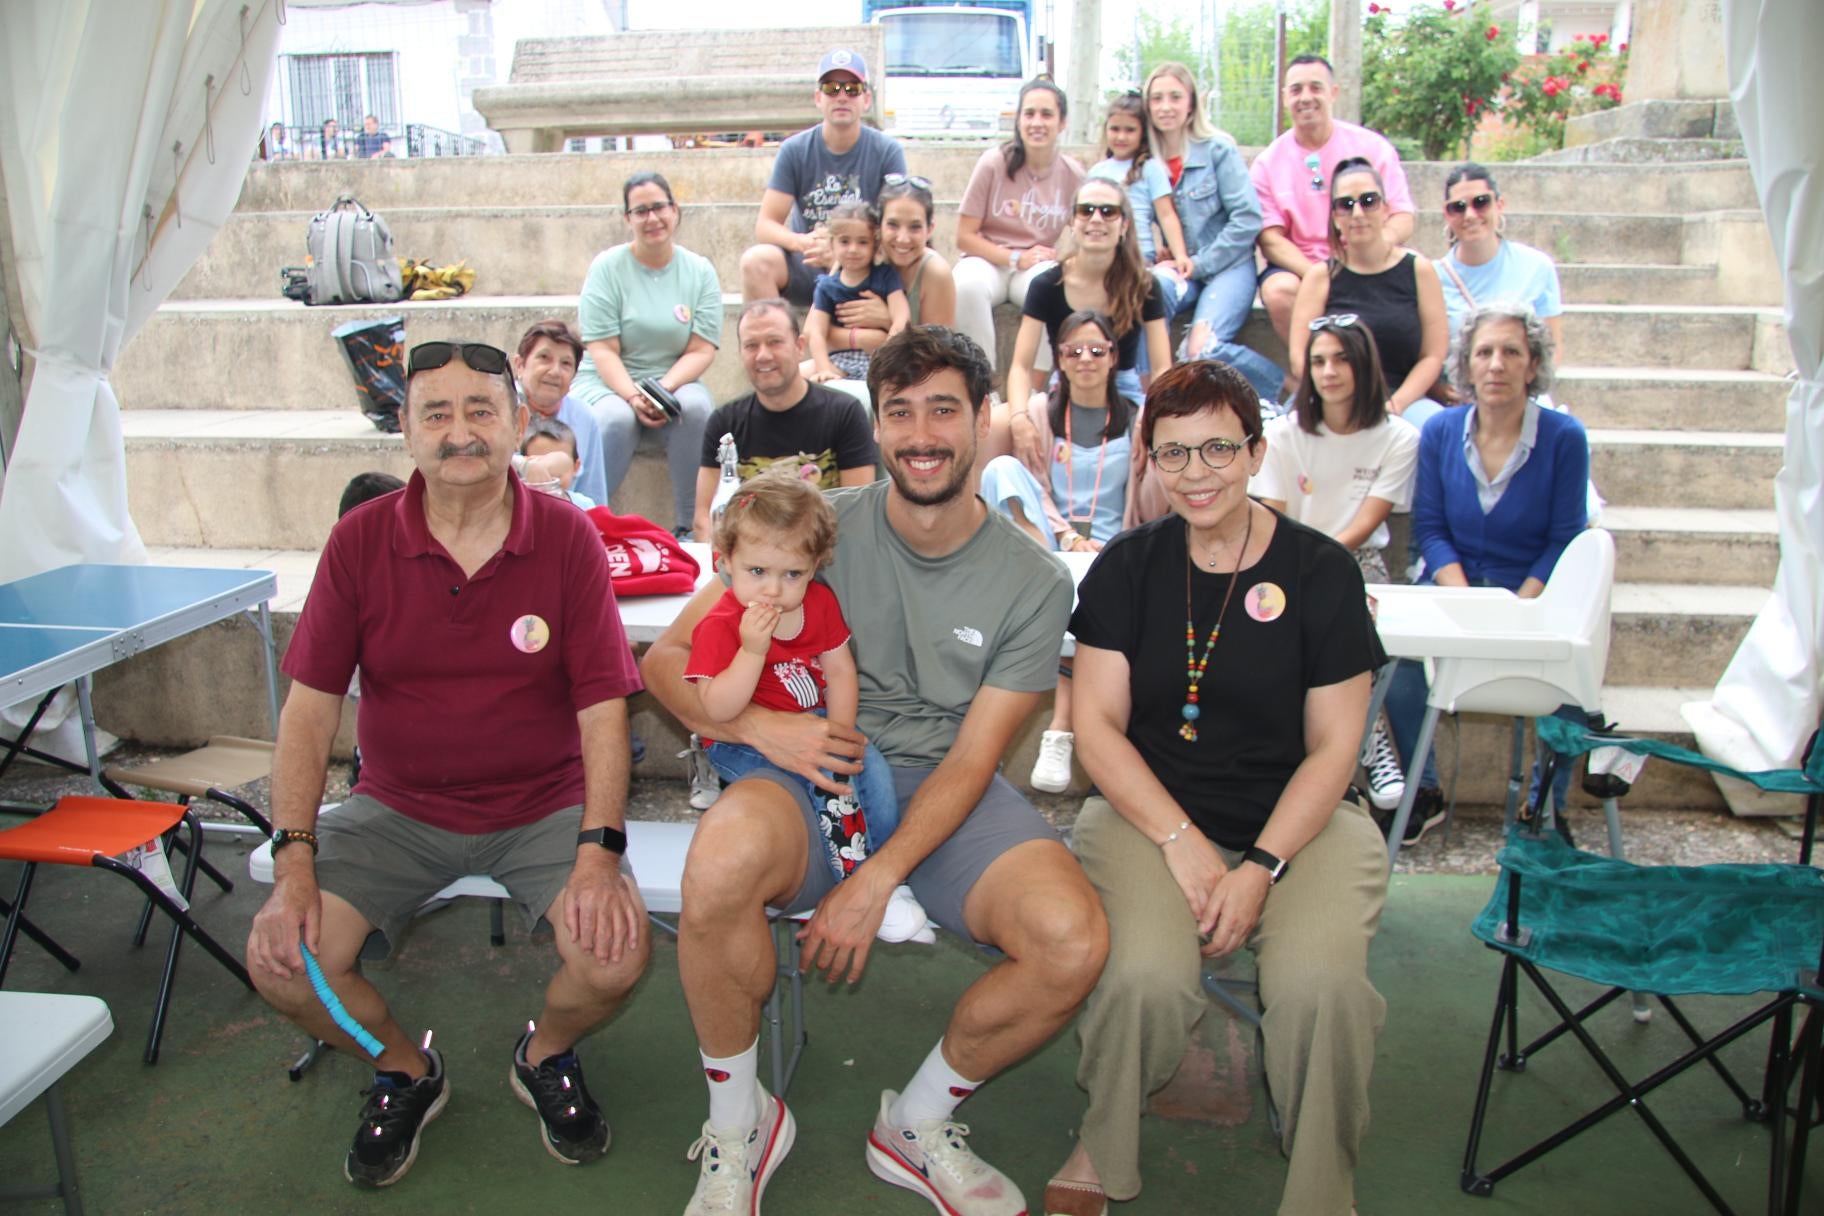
(1429, 76)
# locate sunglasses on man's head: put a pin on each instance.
(850, 88)
(1107, 211)
(488, 360)
(905, 179)
(1460, 206)
(1368, 200)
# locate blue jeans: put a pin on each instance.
(1223, 303)
(873, 785)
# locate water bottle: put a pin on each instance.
(730, 479)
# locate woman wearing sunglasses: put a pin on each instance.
(650, 310)
(1013, 212)
(1223, 661)
(1393, 291)
(1483, 265)
(906, 209)
(1099, 268)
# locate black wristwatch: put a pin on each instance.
(612, 839)
(284, 836)
(1274, 866)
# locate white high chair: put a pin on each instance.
(1499, 654)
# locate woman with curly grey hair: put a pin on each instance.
(1499, 493)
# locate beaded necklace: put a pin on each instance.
(1194, 667)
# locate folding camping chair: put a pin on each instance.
(1724, 930)
(98, 832)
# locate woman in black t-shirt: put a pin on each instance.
(1224, 654)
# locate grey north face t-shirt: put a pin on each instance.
(818, 179)
(929, 632)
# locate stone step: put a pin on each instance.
(1678, 634)
(277, 354)
(1647, 153)
(1622, 283)
(208, 683)
(733, 175)
(1658, 398)
(545, 250)
(1694, 545)
(1724, 470)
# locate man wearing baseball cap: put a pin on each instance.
(838, 160)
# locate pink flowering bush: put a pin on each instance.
(1581, 79)
(1429, 75)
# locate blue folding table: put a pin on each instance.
(65, 625)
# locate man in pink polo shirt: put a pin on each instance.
(493, 731)
(1292, 177)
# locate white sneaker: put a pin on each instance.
(1386, 781)
(735, 1166)
(935, 1161)
(705, 786)
(905, 920)
(1051, 771)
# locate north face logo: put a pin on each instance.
(968, 635)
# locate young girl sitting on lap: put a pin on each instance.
(777, 639)
(842, 352)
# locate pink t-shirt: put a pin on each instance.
(1284, 176)
(1026, 209)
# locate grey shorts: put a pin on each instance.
(1000, 821)
(800, 280)
(387, 865)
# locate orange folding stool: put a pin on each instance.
(85, 831)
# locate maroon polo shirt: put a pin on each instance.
(468, 716)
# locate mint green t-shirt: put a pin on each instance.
(652, 312)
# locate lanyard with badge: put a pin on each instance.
(1082, 524)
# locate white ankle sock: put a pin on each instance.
(933, 1094)
(734, 1089)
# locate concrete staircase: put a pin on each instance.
(240, 431)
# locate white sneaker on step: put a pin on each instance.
(1386, 780)
(1051, 771)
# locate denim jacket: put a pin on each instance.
(1217, 206)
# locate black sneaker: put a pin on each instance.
(572, 1127)
(1427, 813)
(392, 1119)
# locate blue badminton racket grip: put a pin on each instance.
(337, 1012)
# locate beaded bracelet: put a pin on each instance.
(1180, 830)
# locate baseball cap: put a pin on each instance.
(843, 60)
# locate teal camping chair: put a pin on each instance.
(1666, 931)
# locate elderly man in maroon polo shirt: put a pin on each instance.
(493, 729)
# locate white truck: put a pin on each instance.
(954, 68)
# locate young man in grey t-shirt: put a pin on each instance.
(958, 618)
(838, 160)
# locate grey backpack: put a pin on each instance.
(351, 257)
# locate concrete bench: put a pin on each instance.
(665, 82)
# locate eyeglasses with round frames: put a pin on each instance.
(1460, 206)
(1107, 211)
(645, 209)
(1176, 457)
(1337, 320)
(848, 88)
(1094, 350)
(1368, 200)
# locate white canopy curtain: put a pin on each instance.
(1768, 701)
(126, 128)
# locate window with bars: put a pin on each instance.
(346, 88)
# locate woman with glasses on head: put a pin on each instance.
(1500, 492)
(906, 208)
(1223, 662)
(1483, 265)
(1220, 211)
(1393, 291)
(650, 311)
(1013, 212)
(1077, 482)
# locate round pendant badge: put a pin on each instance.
(530, 634)
(682, 313)
(1304, 484)
(1265, 602)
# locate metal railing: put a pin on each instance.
(419, 140)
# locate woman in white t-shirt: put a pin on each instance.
(1339, 462)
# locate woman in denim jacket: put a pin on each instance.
(1221, 216)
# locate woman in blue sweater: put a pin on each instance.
(1500, 491)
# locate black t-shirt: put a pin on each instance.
(1250, 736)
(1045, 301)
(827, 425)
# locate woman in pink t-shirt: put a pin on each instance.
(1013, 211)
